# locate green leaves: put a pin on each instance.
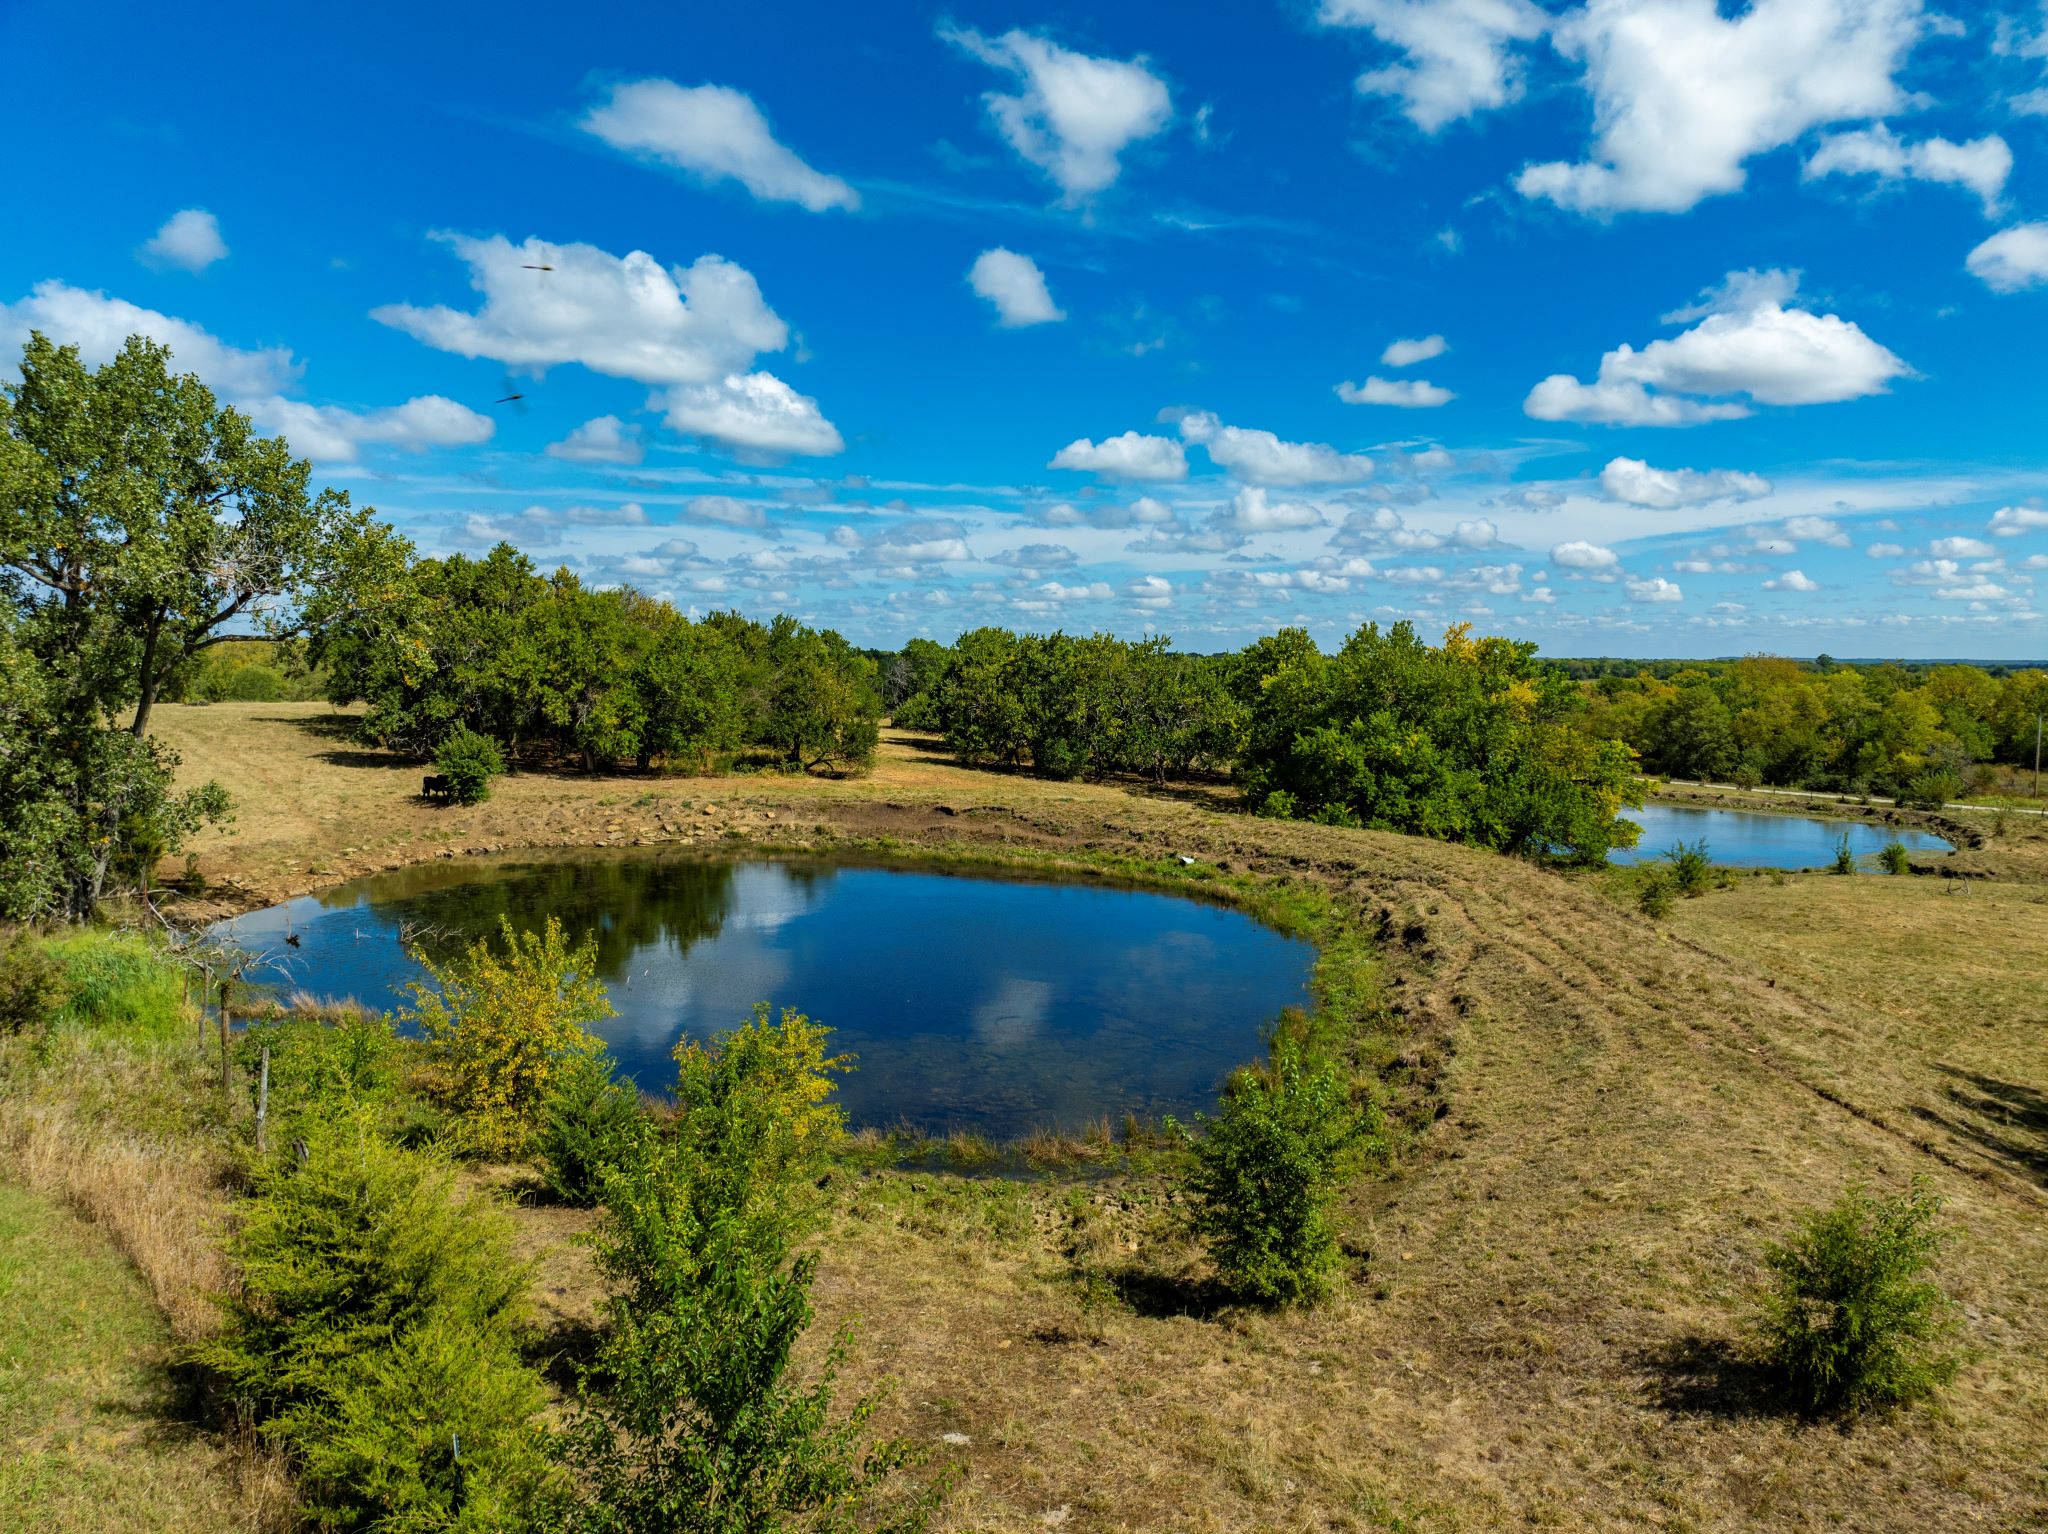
(1852, 1319)
(1265, 1173)
(1468, 741)
(693, 1418)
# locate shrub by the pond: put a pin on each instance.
(501, 1027)
(373, 1328)
(693, 1417)
(586, 1129)
(1894, 859)
(31, 982)
(1691, 871)
(754, 1112)
(469, 761)
(1852, 1319)
(354, 1062)
(1265, 1172)
(1845, 860)
(1656, 894)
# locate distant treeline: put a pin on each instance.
(553, 671)
(1470, 740)
(1594, 668)
(1915, 732)
(244, 671)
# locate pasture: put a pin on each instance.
(1541, 1318)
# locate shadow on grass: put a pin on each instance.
(1159, 1296)
(1699, 1376)
(2005, 1118)
(565, 1352)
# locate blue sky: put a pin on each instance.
(1631, 326)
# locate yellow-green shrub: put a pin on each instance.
(502, 1026)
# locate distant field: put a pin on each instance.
(1543, 1322)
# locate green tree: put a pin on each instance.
(693, 1418)
(142, 523)
(1265, 1174)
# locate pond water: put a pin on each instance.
(971, 1002)
(1743, 840)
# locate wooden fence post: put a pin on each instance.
(224, 1085)
(205, 994)
(262, 1099)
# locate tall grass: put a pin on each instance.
(116, 984)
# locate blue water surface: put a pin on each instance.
(979, 1003)
(1740, 839)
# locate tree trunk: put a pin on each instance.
(147, 696)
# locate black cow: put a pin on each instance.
(438, 788)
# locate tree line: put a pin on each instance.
(1471, 739)
(554, 671)
(1920, 734)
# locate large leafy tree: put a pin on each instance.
(144, 522)
(141, 523)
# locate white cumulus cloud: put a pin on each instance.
(1404, 393)
(1405, 354)
(1655, 589)
(189, 240)
(1457, 56)
(755, 412)
(602, 439)
(1748, 342)
(1581, 555)
(714, 133)
(98, 324)
(1960, 548)
(2011, 521)
(1250, 511)
(332, 434)
(1684, 94)
(623, 316)
(1073, 114)
(1792, 580)
(1979, 166)
(1016, 287)
(2012, 259)
(1130, 455)
(1263, 458)
(1633, 481)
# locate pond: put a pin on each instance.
(1741, 839)
(994, 1005)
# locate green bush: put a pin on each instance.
(1894, 859)
(320, 1068)
(31, 983)
(374, 1327)
(469, 761)
(692, 1417)
(1932, 789)
(1691, 871)
(586, 1128)
(1851, 1319)
(116, 983)
(1265, 1173)
(1655, 894)
(1845, 860)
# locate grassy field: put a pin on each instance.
(1543, 1322)
(90, 1433)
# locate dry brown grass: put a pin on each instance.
(1543, 1318)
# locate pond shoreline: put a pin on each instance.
(1810, 805)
